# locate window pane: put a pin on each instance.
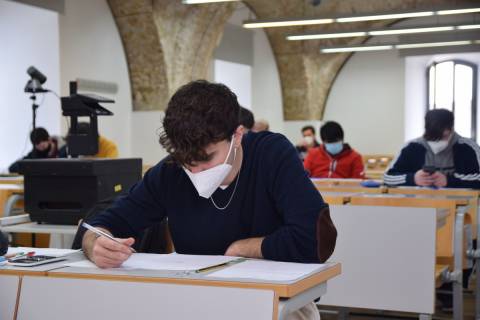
(463, 100)
(444, 85)
(431, 88)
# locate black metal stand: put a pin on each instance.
(34, 110)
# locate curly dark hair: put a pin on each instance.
(198, 114)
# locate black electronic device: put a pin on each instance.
(83, 142)
(62, 191)
(429, 169)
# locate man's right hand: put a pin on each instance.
(106, 253)
(423, 179)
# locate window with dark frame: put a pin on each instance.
(452, 85)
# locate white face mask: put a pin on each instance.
(438, 146)
(207, 182)
(308, 140)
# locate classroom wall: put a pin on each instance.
(371, 114)
(31, 40)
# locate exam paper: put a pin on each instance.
(267, 270)
(177, 262)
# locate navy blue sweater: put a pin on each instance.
(274, 199)
(466, 159)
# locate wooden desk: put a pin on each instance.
(351, 189)
(139, 294)
(472, 195)
(444, 236)
(330, 182)
(336, 198)
(6, 191)
(451, 246)
(11, 179)
(61, 236)
(388, 258)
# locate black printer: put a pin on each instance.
(62, 191)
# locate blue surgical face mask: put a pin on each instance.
(334, 148)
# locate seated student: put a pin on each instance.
(308, 142)
(440, 158)
(247, 120)
(334, 158)
(106, 148)
(261, 125)
(224, 192)
(44, 146)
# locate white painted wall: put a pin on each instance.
(145, 129)
(266, 91)
(30, 37)
(416, 89)
(367, 99)
(91, 48)
(236, 76)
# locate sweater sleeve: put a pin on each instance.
(141, 208)
(401, 171)
(296, 199)
(358, 170)
(467, 166)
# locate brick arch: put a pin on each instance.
(166, 44)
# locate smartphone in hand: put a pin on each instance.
(429, 169)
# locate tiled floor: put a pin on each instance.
(362, 314)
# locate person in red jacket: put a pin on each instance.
(333, 158)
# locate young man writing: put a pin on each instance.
(223, 192)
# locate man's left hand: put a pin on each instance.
(439, 179)
(248, 248)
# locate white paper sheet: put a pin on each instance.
(267, 270)
(181, 262)
(41, 251)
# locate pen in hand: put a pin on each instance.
(104, 234)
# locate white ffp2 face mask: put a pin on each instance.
(207, 182)
(438, 146)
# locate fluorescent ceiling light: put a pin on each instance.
(386, 16)
(410, 30)
(326, 36)
(469, 27)
(285, 23)
(354, 49)
(204, 1)
(368, 17)
(434, 44)
(458, 11)
(398, 46)
(380, 32)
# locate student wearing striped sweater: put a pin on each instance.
(440, 158)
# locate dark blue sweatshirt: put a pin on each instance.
(274, 199)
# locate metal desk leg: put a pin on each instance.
(456, 276)
(10, 204)
(286, 306)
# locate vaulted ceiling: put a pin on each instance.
(168, 44)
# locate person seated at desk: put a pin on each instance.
(106, 148)
(247, 120)
(224, 192)
(44, 146)
(308, 142)
(440, 158)
(334, 158)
